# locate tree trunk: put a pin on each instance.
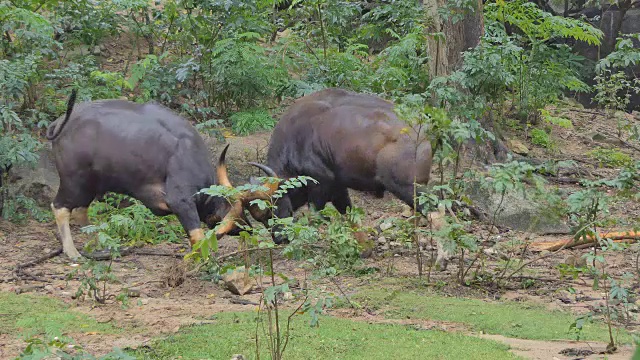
(446, 53)
(445, 57)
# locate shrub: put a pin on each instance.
(248, 122)
(541, 138)
(610, 157)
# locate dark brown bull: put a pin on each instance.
(343, 140)
(142, 150)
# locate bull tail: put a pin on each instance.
(55, 128)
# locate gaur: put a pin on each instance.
(343, 140)
(142, 150)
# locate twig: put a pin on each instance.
(225, 256)
(46, 257)
(242, 302)
(153, 253)
(333, 279)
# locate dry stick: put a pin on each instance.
(342, 292)
(534, 260)
(225, 256)
(48, 256)
(286, 340)
(585, 240)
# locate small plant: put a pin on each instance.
(610, 157)
(541, 138)
(248, 122)
(133, 224)
(64, 348)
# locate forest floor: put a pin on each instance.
(531, 314)
(532, 319)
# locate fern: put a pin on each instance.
(540, 25)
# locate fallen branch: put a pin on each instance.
(225, 256)
(43, 258)
(154, 253)
(585, 240)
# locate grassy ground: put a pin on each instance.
(27, 315)
(511, 319)
(234, 333)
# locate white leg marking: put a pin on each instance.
(62, 216)
(195, 236)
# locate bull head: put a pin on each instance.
(242, 200)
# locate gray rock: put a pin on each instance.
(382, 240)
(386, 225)
(40, 182)
(96, 50)
(517, 212)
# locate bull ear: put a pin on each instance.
(221, 169)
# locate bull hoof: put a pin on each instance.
(72, 254)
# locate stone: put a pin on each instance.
(382, 240)
(518, 212)
(386, 225)
(40, 182)
(603, 139)
(238, 357)
(518, 147)
(394, 244)
(96, 50)
(133, 292)
(238, 282)
(407, 211)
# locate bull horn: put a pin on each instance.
(221, 169)
(228, 223)
(265, 168)
(272, 186)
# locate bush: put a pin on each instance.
(541, 138)
(610, 157)
(248, 122)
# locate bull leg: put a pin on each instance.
(186, 211)
(340, 199)
(80, 216)
(62, 216)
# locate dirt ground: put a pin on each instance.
(162, 308)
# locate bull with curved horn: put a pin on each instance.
(344, 140)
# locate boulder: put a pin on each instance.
(518, 212)
(518, 147)
(40, 182)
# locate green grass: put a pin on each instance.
(234, 333)
(511, 319)
(27, 315)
